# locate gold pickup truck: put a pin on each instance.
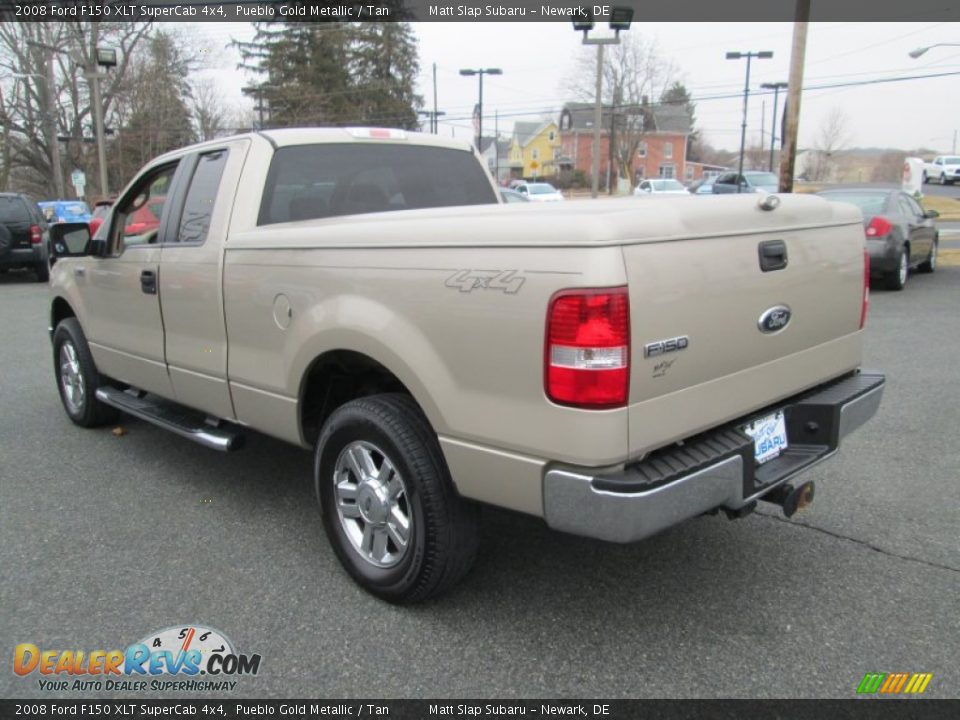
(614, 367)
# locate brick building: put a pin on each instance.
(662, 151)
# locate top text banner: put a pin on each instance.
(483, 11)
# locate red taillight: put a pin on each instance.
(879, 227)
(36, 236)
(587, 357)
(866, 289)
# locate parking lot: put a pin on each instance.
(107, 537)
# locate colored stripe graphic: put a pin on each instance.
(871, 683)
(894, 683)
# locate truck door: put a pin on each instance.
(120, 289)
(191, 271)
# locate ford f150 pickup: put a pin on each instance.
(613, 367)
(944, 169)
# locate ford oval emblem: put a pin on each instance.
(774, 320)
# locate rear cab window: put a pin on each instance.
(334, 179)
(201, 195)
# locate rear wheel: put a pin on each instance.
(930, 264)
(388, 503)
(43, 271)
(897, 279)
(77, 377)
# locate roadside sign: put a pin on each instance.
(79, 181)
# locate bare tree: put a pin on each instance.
(832, 140)
(634, 72)
(32, 138)
(208, 108)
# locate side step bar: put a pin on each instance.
(175, 418)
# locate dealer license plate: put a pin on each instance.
(769, 435)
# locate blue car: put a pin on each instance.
(64, 211)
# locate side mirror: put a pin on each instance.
(69, 240)
(931, 214)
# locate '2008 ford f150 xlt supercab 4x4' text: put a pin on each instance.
(613, 367)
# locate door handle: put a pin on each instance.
(148, 282)
(773, 255)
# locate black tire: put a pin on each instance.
(88, 412)
(930, 264)
(444, 528)
(43, 272)
(926, 180)
(897, 279)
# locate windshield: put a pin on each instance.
(869, 203)
(13, 209)
(663, 185)
(541, 188)
(951, 161)
(761, 178)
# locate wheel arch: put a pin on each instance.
(338, 376)
(60, 310)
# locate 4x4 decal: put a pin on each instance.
(507, 281)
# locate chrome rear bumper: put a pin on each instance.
(713, 470)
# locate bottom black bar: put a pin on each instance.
(861, 707)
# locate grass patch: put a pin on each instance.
(949, 208)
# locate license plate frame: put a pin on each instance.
(769, 435)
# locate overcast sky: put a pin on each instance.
(538, 59)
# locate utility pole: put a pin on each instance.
(93, 75)
(496, 145)
(481, 72)
(51, 102)
(788, 151)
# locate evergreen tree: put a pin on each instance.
(334, 73)
(159, 117)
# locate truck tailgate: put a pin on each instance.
(699, 354)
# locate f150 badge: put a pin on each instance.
(774, 319)
(661, 347)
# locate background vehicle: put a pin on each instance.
(512, 196)
(660, 187)
(540, 192)
(612, 367)
(751, 181)
(101, 209)
(945, 169)
(60, 211)
(900, 234)
(704, 186)
(23, 235)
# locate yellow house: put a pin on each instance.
(535, 149)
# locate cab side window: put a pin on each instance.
(138, 215)
(198, 207)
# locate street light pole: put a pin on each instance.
(763, 55)
(481, 72)
(776, 87)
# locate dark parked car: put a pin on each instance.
(900, 234)
(750, 181)
(24, 242)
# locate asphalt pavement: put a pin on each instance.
(107, 537)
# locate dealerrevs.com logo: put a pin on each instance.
(183, 659)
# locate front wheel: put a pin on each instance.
(897, 279)
(388, 503)
(925, 178)
(77, 376)
(930, 264)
